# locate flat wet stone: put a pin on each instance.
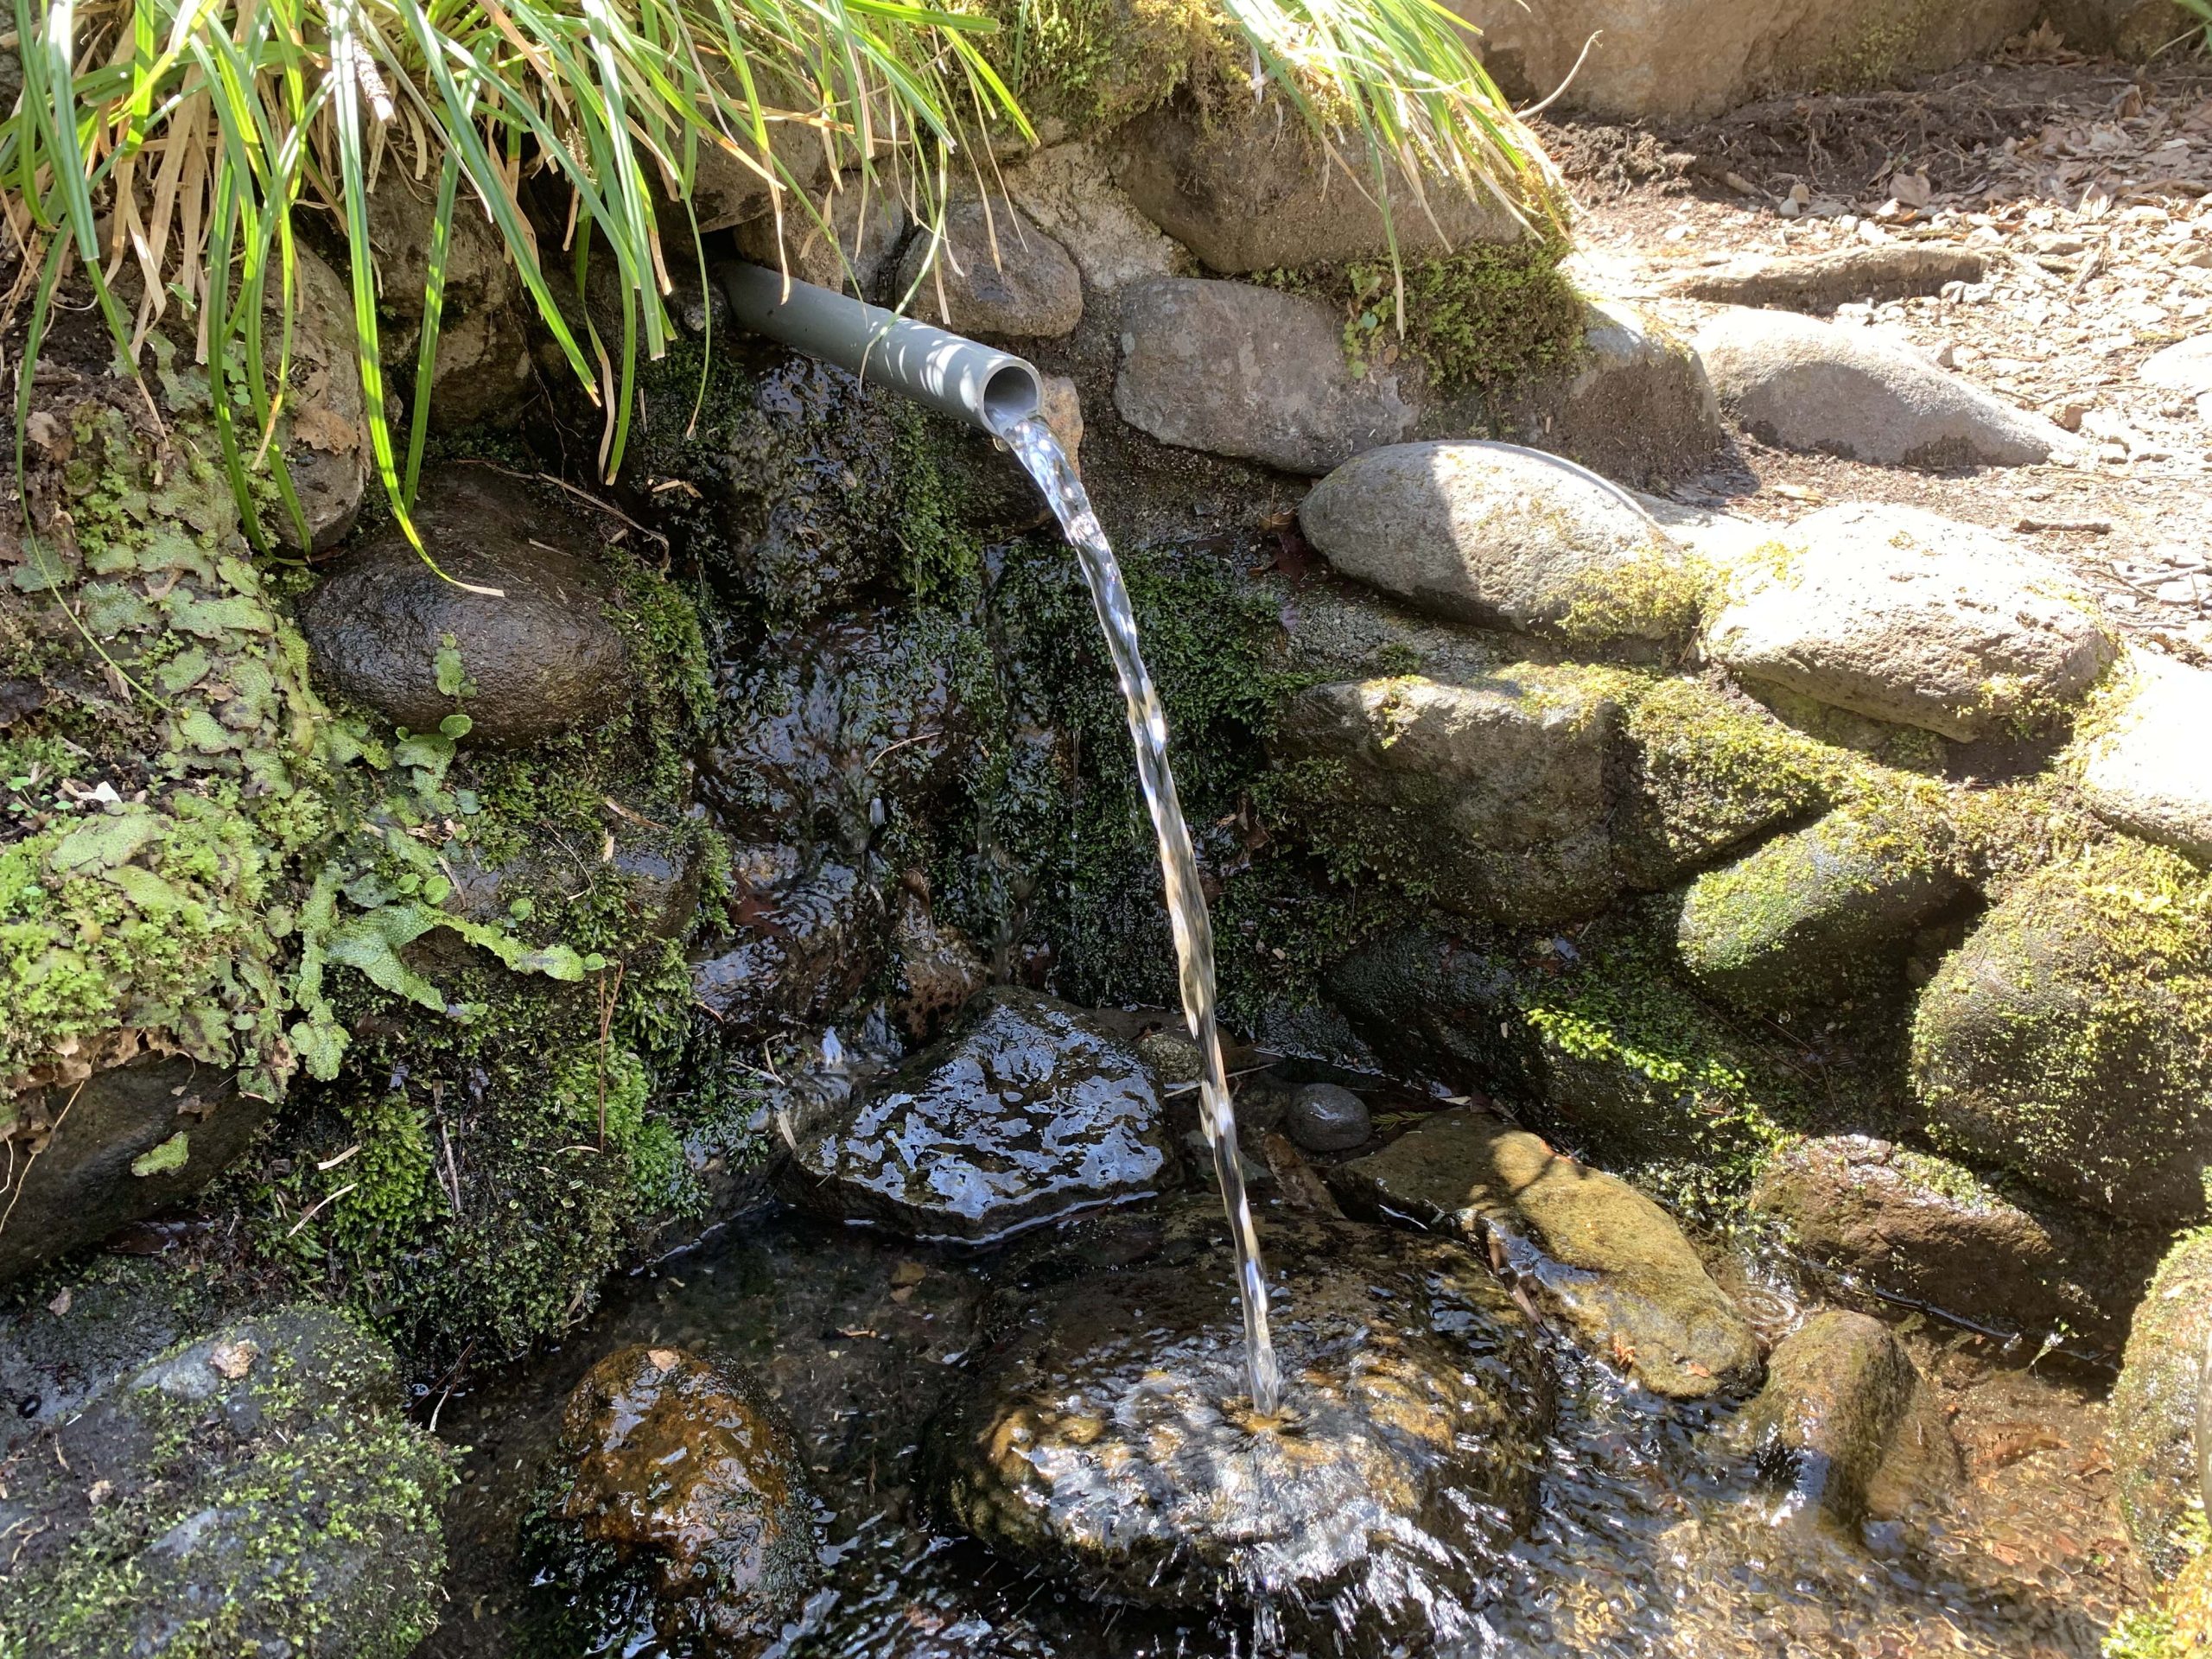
(1109, 1439)
(1030, 1111)
(1594, 1251)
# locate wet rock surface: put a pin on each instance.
(1813, 915)
(123, 1143)
(2157, 1406)
(686, 1472)
(797, 952)
(1327, 1117)
(542, 657)
(1107, 1438)
(996, 274)
(1899, 614)
(1505, 537)
(1924, 1227)
(2066, 1039)
(1030, 1112)
(254, 1488)
(1251, 373)
(1846, 1425)
(1806, 384)
(1592, 1251)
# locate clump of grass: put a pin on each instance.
(183, 139)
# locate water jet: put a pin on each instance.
(1003, 395)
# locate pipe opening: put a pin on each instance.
(1013, 393)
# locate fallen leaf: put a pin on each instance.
(909, 1273)
(663, 1359)
(234, 1359)
(60, 1304)
(320, 427)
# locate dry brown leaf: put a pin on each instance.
(234, 1359)
(320, 427)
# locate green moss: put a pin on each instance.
(1478, 320)
(2070, 1039)
(1089, 64)
(299, 1508)
(1656, 596)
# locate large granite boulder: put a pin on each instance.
(994, 273)
(1676, 58)
(254, 1489)
(1252, 373)
(1030, 1112)
(1494, 534)
(1502, 783)
(2069, 1039)
(1109, 1439)
(484, 371)
(1257, 191)
(1594, 1251)
(1806, 384)
(523, 651)
(1899, 614)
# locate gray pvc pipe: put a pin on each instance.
(952, 374)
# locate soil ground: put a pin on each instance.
(2086, 185)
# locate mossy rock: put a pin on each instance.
(2070, 1039)
(1705, 771)
(2157, 1407)
(255, 1489)
(1821, 913)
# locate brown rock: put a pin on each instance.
(1590, 1248)
(689, 1464)
(1845, 1423)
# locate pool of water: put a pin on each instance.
(1652, 1536)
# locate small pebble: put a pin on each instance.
(1173, 1057)
(1326, 1118)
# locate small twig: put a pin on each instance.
(312, 1208)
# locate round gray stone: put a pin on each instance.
(1328, 1117)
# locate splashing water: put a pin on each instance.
(1040, 456)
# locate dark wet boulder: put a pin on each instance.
(1109, 1440)
(2158, 1407)
(1922, 1226)
(537, 658)
(796, 952)
(689, 1475)
(826, 734)
(97, 1151)
(1327, 1117)
(1845, 1425)
(938, 969)
(1592, 1251)
(256, 1489)
(1030, 1111)
(2069, 1039)
(1813, 916)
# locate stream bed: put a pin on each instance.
(1652, 1532)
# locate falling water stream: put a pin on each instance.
(1041, 456)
